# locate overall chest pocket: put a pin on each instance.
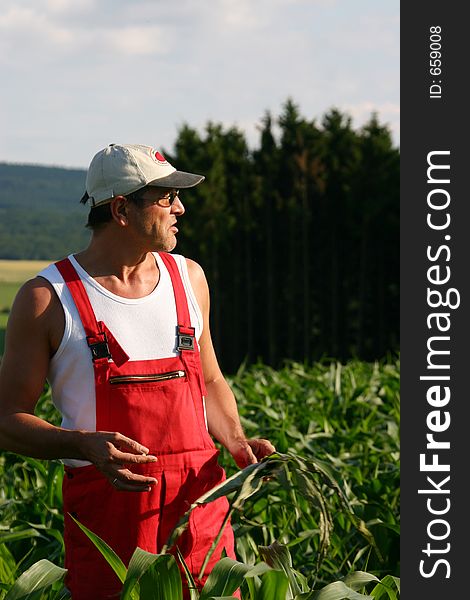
(146, 378)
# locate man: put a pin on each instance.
(121, 332)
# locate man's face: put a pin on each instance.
(154, 222)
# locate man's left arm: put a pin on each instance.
(221, 407)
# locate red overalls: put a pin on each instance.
(159, 404)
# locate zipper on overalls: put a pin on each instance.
(147, 378)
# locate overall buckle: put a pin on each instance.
(99, 349)
(185, 337)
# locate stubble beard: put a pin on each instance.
(166, 245)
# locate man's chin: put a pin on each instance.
(167, 246)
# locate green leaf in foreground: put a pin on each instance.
(38, 577)
(235, 483)
(278, 556)
(338, 591)
(307, 476)
(160, 572)
(139, 563)
(161, 580)
(193, 592)
(358, 579)
(386, 588)
(226, 577)
(253, 578)
(273, 587)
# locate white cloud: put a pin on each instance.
(89, 63)
(239, 14)
(244, 16)
(19, 23)
(69, 6)
(29, 35)
(134, 41)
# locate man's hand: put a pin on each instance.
(111, 452)
(247, 452)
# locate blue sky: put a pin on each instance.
(79, 74)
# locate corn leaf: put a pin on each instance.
(274, 586)
(161, 580)
(7, 566)
(385, 588)
(38, 577)
(141, 562)
(193, 591)
(358, 579)
(258, 570)
(226, 577)
(245, 482)
(253, 577)
(18, 534)
(338, 591)
(278, 556)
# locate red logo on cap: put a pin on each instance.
(160, 158)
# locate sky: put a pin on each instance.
(80, 74)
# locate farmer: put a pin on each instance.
(121, 332)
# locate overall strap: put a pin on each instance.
(186, 333)
(100, 340)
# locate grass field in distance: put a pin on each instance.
(13, 273)
(18, 271)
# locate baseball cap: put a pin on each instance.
(121, 169)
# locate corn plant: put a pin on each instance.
(343, 417)
(157, 577)
(31, 521)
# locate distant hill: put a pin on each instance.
(41, 217)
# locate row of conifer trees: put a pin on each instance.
(298, 237)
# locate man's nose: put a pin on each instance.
(177, 206)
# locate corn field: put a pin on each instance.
(319, 519)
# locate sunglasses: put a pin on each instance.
(168, 198)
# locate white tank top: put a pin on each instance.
(144, 327)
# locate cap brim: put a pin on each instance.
(177, 180)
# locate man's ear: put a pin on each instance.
(119, 207)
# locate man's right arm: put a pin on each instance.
(34, 331)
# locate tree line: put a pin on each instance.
(40, 213)
(298, 237)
